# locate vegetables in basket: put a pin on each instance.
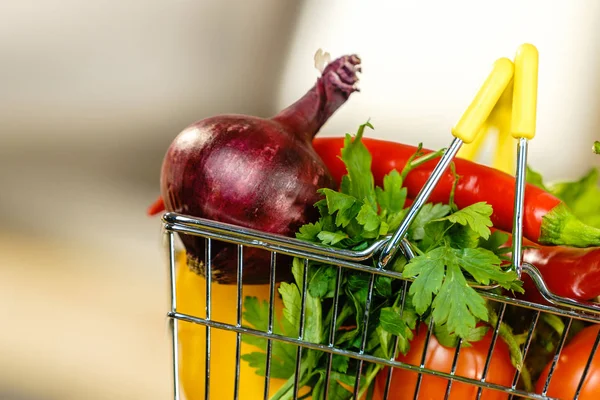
(547, 219)
(453, 245)
(470, 364)
(570, 367)
(254, 172)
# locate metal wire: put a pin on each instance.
(208, 280)
(351, 354)
(580, 311)
(392, 247)
(270, 326)
(383, 250)
(517, 252)
(174, 322)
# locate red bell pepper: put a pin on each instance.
(547, 220)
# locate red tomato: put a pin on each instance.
(570, 366)
(471, 362)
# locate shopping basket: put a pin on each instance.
(205, 323)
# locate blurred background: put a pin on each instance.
(92, 93)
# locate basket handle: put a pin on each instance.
(465, 131)
(523, 125)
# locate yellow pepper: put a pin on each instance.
(191, 299)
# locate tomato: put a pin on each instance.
(471, 362)
(191, 299)
(570, 366)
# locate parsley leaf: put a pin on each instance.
(451, 339)
(458, 304)
(368, 218)
(332, 237)
(292, 303)
(283, 355)
(392, 197)
(495, 242)
(428, 269)
(476, 216)
(484, 267)
(392, 322)
(429, 212)
(309, 231)
(322, 281)
(358, 183)
(343, 204)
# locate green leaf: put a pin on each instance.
(309, 231)
(280, 368)
(462, 237)
(395, 219)
(393, 196)
(340, 363)
(476, 216)
(596, 147)
(256, 313)
(332, 238)
(494, 243)
(458, 304)
(383, 286)
(484, 266)
(359, 181)
(322, 281)
(392, 322)
(429, 212)
(283, 355)
(384, 338)
(435, 234)
(451, 339)
(582, 197)
(338, 392)
(292, 303)
(428, 269)
(534, 178)
(343, 204)
(321, 205)
(368, 218)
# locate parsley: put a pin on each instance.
(454, 247)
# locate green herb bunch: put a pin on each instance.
(453, 247)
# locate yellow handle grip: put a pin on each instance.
(470, 123)
(525, 92)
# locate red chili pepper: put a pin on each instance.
(546, 220)
(157, 207)
(567, 271)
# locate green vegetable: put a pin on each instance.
(597, 147)
(581, 196)
(454, 247)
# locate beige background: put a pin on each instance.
(92, 93)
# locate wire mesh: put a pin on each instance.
(348, 263)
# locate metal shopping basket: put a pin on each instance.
(525, 88)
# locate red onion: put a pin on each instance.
(254, 172)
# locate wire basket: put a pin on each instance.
(346, 261)
(214, 231)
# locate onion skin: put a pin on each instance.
(254, 172)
